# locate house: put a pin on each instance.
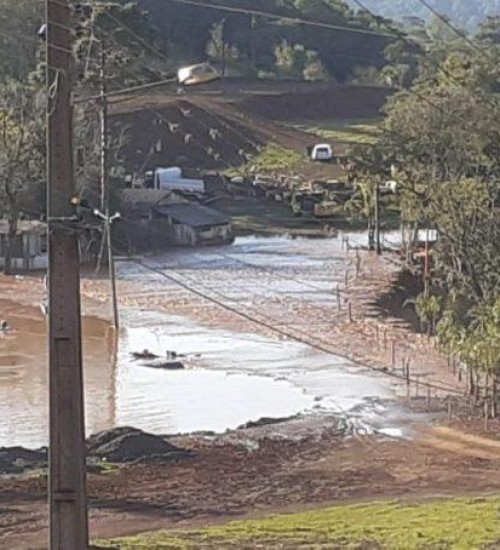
(30, 245)
(159, 219)
(196, 225)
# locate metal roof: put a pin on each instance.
(194, 215)
(144, 196)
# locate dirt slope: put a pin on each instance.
(218, 127)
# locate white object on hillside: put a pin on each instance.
(170, 179)
(197, 74)
(322, 152)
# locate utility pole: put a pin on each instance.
(377, 218)
(103, 103)
(67, 494)
(108, 222)
(104, 196)
(427, 266)
(112, 275)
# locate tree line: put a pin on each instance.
(440, 141)
(466, 14)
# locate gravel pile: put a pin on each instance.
(121, 445)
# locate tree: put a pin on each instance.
(22, 158)
(218, 49)
(19, 22)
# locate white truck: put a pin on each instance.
(171, 179)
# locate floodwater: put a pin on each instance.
(231, 377)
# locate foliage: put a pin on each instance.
(440, 138)
(18, 26)
(428, 309)
(275, 158)
(186, 31)
(468, 14)
(22, 157)
(458, 523)
(345, 131)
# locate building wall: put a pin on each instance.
(27, 253)
(219, 234)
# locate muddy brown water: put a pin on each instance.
(24, 376)
(234, 377)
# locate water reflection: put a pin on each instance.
(24, 377)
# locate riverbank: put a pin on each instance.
(260, 311)
(247, 476)
(284, 293)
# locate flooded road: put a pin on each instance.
(233, 376)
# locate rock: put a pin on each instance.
(130, 445)
(265, 422)
(15, 460)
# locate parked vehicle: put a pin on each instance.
(322, 152)
(197, 74)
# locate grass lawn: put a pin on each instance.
(456, 523)
(363, 131)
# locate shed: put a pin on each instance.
(141, 202)
(194, 224)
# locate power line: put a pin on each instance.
(456, 30)
(123, 91)
(137, 37)
(304, 339)
(276, 17)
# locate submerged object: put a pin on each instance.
(164, 365)
(145, 354)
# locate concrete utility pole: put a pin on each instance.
(104, 203)
(103, 103)
(108, 222)
(67, 495)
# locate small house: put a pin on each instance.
(196, 225)
(163, 218)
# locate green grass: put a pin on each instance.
(458, 523)
(363, 131)
(275, 158)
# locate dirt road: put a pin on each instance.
(227, 480)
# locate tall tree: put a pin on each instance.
(22, 158)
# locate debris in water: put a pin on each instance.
(165, 365)
(145, 354)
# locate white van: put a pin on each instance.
(322, 152)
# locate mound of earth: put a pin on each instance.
(121, 445)
(15, 460)
(322, 103)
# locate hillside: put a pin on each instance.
(466, 14)
(225, 125)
